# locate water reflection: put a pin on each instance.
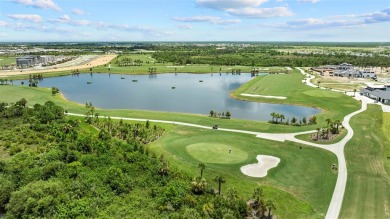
(189, 93)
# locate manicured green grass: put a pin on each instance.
(368, 187)
(216, 153)
(386, 133)
(334, 105)
(307, 137)
(7, 60)
(300, 192)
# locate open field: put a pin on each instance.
(368, 186)
(7, 60)
(100, 60)
(334, 105)
(309, 189)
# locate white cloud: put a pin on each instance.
(226, 4)
(279, 1)
(184, 26)
(3, 23)
(206, 19)
(261, 12)
(78, 11)
(312, 1)
(246, 8)
(28, 17)
(65, 19)
(43, 4)
(337, 21)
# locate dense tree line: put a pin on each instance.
(268, 57)
(53, 166)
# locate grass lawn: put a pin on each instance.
(368, 187)
(307, 137)
(7, 60)
(334, 105)
(300, 192)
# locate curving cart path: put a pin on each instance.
(336, 148)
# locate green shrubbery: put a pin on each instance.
(57, 169)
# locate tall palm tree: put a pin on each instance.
(327, 127)
(337, 124)
(202, 167)
(281, 118)
(219, 179)
(273, 114)
(318, 83)
(318, 132)
(271, 205)
(258, 204)
(277, 116)
(354, 91)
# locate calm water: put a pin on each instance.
(156, 93)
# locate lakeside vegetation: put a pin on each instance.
(334, 104)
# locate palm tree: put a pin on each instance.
(327, 127)
(277, 116)
(318, 83)
(354, 91)
(219, 179)
(202, 167)
(318, 132)
(337, 123)
(258, 204)
(198, 185)
(271, 205)
(273, 114)
(281, 116)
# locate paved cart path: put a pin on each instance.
(336, 148)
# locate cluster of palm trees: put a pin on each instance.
(199, 184)
(257, 205)
(276, 117)
(5, 81)
(332, 127)
(223, 115)
(152, 70)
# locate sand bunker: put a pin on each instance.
(261, 168)
(258, 95)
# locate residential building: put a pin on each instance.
(380, 93)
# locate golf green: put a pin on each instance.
(216, 153)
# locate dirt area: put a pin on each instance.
(79, 63)
(349, 84)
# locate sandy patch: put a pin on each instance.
(261, 168)
(98, 60)
(258, 95)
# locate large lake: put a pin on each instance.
(154, 92)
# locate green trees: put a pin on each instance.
(65, 169)
(219, 179)
(202, 167)
(54, 90)
(37, 199)
(270, 204)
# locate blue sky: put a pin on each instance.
(195, 20)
